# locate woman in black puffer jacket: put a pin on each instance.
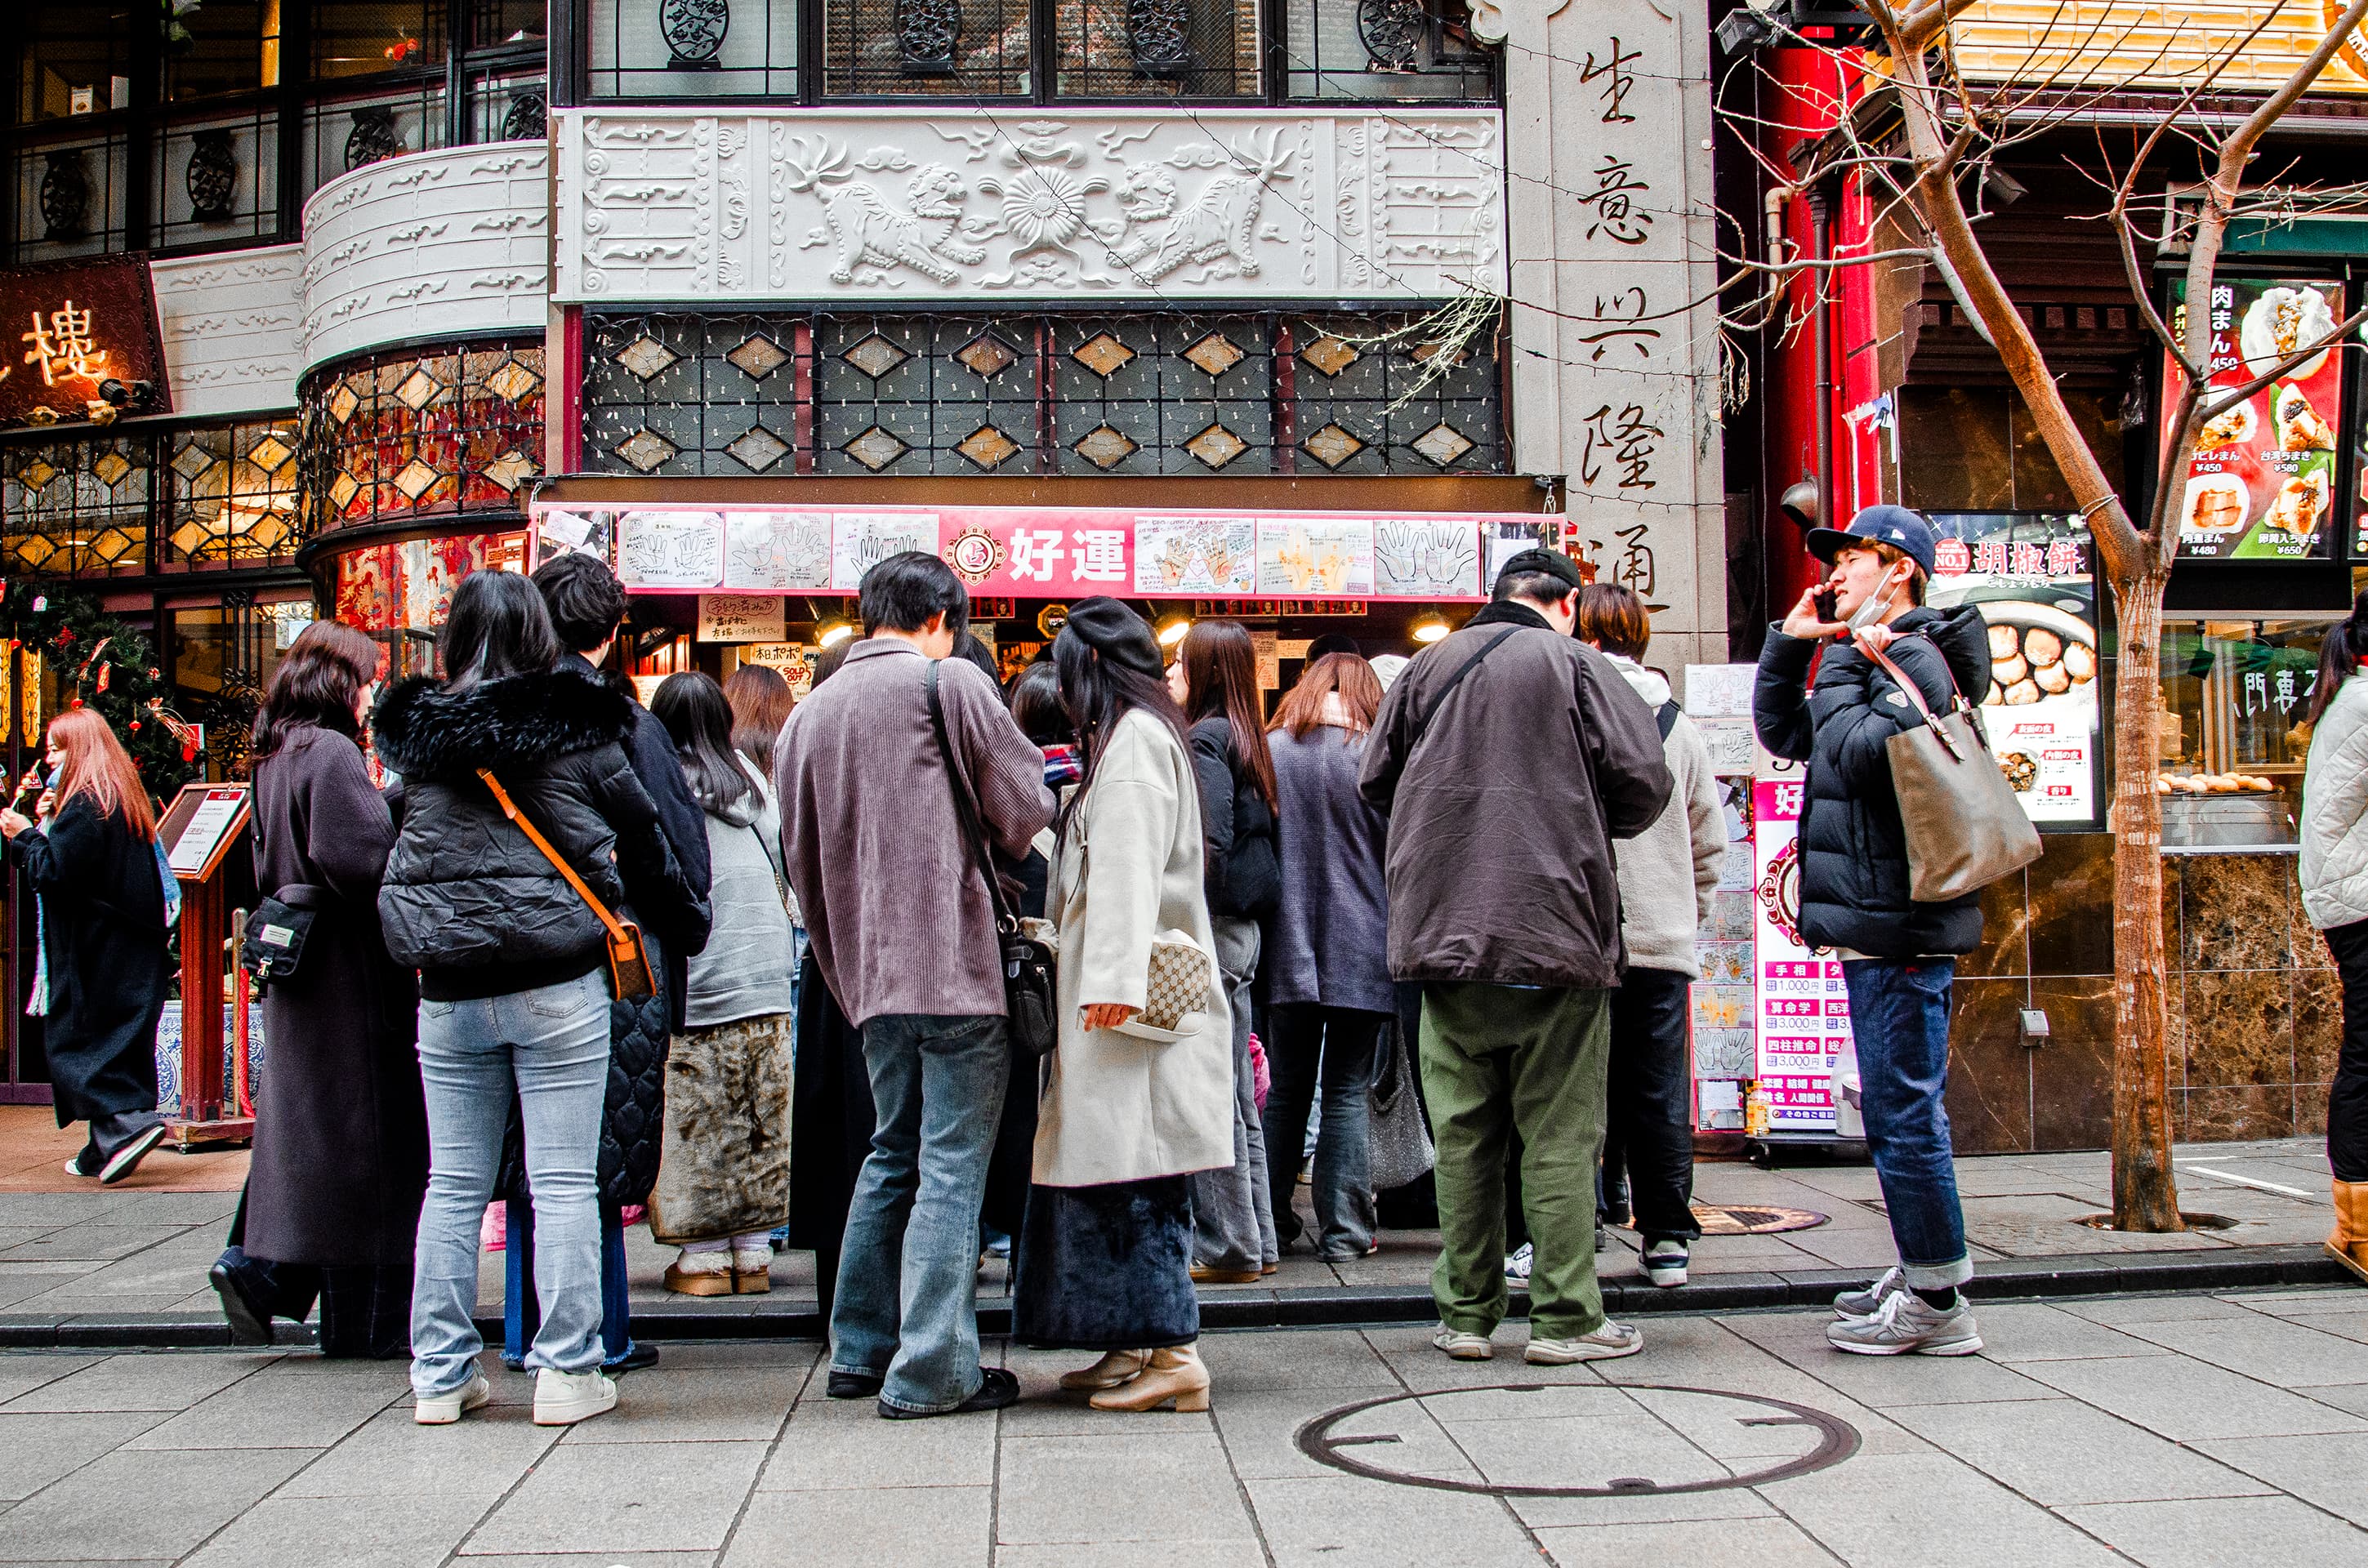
(514, 996)
(1214, 680)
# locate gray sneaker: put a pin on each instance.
(1867, 1303)
(1906, 1326)
(1609, 1343)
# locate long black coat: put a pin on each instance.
(340, 1158)
(1855, 876)
(103, 930)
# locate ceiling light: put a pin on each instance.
(835, 632)
(1430, 629)
(1172, 629)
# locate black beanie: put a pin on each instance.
(1332, 642)
(1117, 633)
(1552, 562)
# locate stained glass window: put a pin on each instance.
(234, 492)
(395, 434)
(77, 504)
(1139, 392)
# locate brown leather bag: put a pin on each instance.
(1965, 828)
(629, 979)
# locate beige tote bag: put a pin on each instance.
(1964, 827)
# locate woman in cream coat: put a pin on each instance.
(1127, 1113)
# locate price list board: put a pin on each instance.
(1801, 1005)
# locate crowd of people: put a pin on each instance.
(1005, 968)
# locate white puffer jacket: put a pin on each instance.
(2335, 812)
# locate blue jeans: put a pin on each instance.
(522, 1316)
(1331, 1051)
(906, 1308)
(550, 1046)
(1899, 1016)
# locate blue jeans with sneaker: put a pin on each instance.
(906, 1309)
(1900, 1018)
(551, 1047)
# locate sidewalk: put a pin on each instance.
(2177, 1431)
(127, 1266)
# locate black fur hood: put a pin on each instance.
(422, 731)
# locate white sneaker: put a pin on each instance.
(1664, 1264)
(443, 1409)
(1906, 1326)
(1516, 1266)
(561, 1399)
(1462, 1344)
(1867, 1303)
(1609, 1343)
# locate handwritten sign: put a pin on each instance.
(741, 618)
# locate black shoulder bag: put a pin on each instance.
(272, 945)
(1028, 993)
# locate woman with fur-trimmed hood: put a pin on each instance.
(514, 994)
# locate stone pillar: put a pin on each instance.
(1615, 385)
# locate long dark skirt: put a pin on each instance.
(1106, 1268)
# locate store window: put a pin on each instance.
(216, 179)
(74, 59)
(392, 435)
(692, 49)
(926, 48)
(234, 492)
(70, 200)
(1156, 49)
(220, 46)
(1125, 393)
(368, 38)
(1385, 49)
(2235, 699)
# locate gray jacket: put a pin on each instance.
(1668, 872)
(1328, 941)
(744, 970)
(2334, 867)
(895, 905)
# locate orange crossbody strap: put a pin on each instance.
(510, 809)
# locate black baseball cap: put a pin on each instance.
(1894, 526)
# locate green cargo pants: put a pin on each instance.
(1499, 1059)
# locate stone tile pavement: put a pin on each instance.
(140, 1250)
(2178, 1431)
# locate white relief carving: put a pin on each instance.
(1142, 204)
(231, 329)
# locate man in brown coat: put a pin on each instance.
(902, 928)
(1510, 756)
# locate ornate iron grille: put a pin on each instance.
(633, 53)
(233, 493)
(1385, 49)
(70, 200)
(1344, 387)
(355, 134)
(215, 181)
(1142, 393)
(397, 434)
(884, 47)
(78, 505)
(1157, 48)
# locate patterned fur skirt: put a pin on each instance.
(1106, 1268)
(724, 1166)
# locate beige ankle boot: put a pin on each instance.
(2349, 1244)
(1116, 1367)
(1174, 1378)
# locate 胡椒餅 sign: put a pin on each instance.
(1049, 552)
(67, 329)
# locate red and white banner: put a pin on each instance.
(1802, 1003)
(1048, 552)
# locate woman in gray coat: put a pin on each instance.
(1328, 985)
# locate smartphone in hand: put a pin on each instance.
(1827, 600)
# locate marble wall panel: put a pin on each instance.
(1989, 1068)
(2317, 1024)
(2309, 946)
(2235, 1112)
(2006, 922)
(2072, 1073)
(2310, 1110)
(2241, 1027)
(2234, 911)
(2071, 903)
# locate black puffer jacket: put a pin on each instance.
(468, 899)
(1853, 852)
(1242, 873)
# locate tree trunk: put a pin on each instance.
(2145, 1194)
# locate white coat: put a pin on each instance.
(2335, 811)
(1116, 1106)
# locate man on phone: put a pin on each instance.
(1899, 957)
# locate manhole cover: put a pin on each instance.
(1578, 1439)
(1753, 1219)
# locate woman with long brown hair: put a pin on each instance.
(103, 974)
(332, 1204)
(1328, 992)
(1214, 680)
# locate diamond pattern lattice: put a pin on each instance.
(1103, 355)
(987, 355)
(1331, 356)
(1216, 353)
(1442, 444)
(758, 450)
(1216, 446)
(1332, 446)
(1105, 446)
(875, 356)
(987, 447)
(112, 466)
(646, 357)
(414, 478)
(645, 448)
(418, 389)
(512, 381)
(757, 356)
(875, 448)
(269, 452)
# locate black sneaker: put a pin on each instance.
(637, 1354)
(126, 1159)
(854, 1385)
(87, 1161)
(996, 1388)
